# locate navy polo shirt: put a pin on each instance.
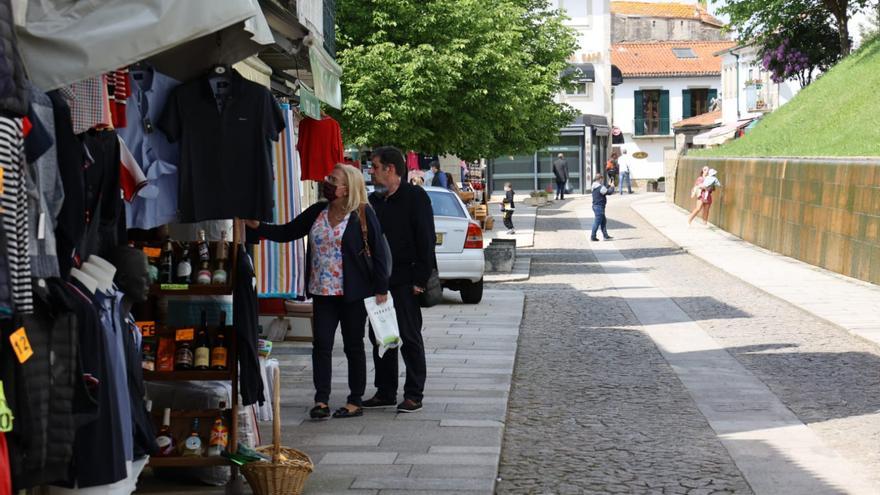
(225, 156)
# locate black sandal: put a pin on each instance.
(319, 412)
(343, 412)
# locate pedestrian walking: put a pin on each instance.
(439, 178)
(338, 280)
(601, 191)
(406, 217)
(623, 168)
(611, 170)
(560, 172)
(702, 191)
(507, 208)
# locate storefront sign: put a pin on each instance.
(640, 155)
(563, 148)
(309, 104)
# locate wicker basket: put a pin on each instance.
(289, 469)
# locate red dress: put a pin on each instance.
(320, 147)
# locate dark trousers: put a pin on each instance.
(560, 189)
(507, 216)
(409, 321)
(330, 311)
(599, 220)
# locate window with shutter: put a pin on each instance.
(686, 104)
(664, 112)
(713, 94)
(639, 122)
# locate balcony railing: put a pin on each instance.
(650, 127)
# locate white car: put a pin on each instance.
(459, 248)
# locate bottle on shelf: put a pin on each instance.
(204, 275)
(192, 445)
(183, 357)
(165, 439)
(219, 434)
(218, 351)
(184, 268)
(202, 354)
(221, 255)
(166, 263)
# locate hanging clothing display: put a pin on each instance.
(156, 156)
(13, 200)
(118, 90)
(225, 166)
(276, 264)
(244, 319)
(320, 147)
(13, 78)
(89, 103)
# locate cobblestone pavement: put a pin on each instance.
(594, 407)
(825, 375)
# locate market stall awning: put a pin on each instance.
(64, 41)
(720, 135)
(616, 76)
(581, 72)
(326, 74)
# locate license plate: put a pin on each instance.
(439, 238)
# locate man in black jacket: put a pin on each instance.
(560, 172)
(405, 213)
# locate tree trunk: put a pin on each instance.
(843, 33)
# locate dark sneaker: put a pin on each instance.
(409, 406)
(319, 412)
(608, 237)
(594, 239)
(377, 402)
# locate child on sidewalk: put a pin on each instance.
(507, 208)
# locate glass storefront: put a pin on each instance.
(535, 172)
(571, 149)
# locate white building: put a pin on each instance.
(663, 82)
(585, 141)
(746, 88)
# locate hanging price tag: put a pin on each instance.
(21, 345)
(185, 334)
(148, 328)
(152, 252)
(5, 413)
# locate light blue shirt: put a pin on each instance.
(155, 155)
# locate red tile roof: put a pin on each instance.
(702, 120)
(656, 59)
(667, 10)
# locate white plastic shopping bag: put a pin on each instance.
(383, 321)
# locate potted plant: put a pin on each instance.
(661, 184)
(652, 185)
(537, 198)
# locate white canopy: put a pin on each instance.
(64, 41)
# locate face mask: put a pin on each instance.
(329, 191)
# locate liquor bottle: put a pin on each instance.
(221, 254)
(183, 358)
(166, 263)
(204, 275)
(164, 439)
(219, 434)
(192, 446)
(184, 268)
(218, 352)
(202, 357)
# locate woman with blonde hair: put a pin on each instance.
(338, 279)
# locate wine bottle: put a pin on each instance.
(183, 358)
(164, 439)
(184, 268)
(202, 355)
(192, 446)
(204, 275)
(219, 434)
(166, 263)
(222, 256)
(218, 352)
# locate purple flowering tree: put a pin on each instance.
(801, 51)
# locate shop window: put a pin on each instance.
(580, 89)
(696, 101)
(651, 112)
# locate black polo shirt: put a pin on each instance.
(407, 221)
(225, 156)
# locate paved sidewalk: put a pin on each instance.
(523, 223)
(849, 303)
(451, 446)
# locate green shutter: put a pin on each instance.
(664, 112)
(639, 122)
(713, 93)
(686, 104)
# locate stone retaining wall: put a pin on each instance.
(825, 212)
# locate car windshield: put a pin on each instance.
(446, 205)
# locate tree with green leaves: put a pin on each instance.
(474, 78)
(754, 20)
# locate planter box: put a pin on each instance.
(538, 201)
(661, 187)
(500, 255)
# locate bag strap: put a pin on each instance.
(362, 218)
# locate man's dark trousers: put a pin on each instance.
(409, 321)
(560, 189)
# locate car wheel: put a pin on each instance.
(472, 292)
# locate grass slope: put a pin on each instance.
(837, 115)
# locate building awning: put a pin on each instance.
(64, 41)
(720, 135)
(581, 72)
(616, 76)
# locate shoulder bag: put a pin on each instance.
(433, 294)
(366, 253)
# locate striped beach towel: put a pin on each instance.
(280, 266)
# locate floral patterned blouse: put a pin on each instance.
(325, 242)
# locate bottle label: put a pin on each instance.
(163, 442)
(219, 436)
(183, 356)
(193, 445)
(184, 269)
(202, 357)
(218, 357)
(220, 276)
(204, 277)
(203, 251)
